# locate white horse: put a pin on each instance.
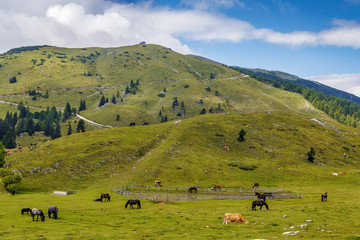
(38, 213)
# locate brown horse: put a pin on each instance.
(106, 196)
(260, 196)
(217, 188)
(193, 189)
(255, 184)
(145, 123)
(259, 203)
(226, 148)
(133, 202)
(132, 124)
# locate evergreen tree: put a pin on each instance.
(311, 155)
(2, 155)
(113, 99)
(117, 94)
(127, 90)
(160, 113)
(56, 133)
(106, 100)
(118, 117)
(14, 120)
(81, 126)
(102, 101)
(82, 106)
(3, 128)
(9, 139)
(69, 130)
(47, 130)
(203, 111)
(137, 82)
(241, 137)
(67, 112)
(165, 118)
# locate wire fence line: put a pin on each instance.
(181, 193)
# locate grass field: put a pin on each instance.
(81, 218)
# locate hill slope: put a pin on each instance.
(191, 152)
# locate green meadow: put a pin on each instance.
(187, 150)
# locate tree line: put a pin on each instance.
(343, 111)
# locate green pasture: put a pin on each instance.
(81, 218)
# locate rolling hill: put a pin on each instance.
(149, 83)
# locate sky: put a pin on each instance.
(313, 39)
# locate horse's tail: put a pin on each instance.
(322, 197)
(109, 197)
(139, 204)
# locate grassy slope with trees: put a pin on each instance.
(281, 127)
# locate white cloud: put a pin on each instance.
(77, 23)
(347, 82)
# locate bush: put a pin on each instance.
(161, 95)
(11, 179)
(12, 80)
(248, 168)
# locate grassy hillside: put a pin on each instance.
(191, 152)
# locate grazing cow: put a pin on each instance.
(226, 148)
(255, 184)
(157, 184)
(341, 173)
(233, 217)
(132, 124)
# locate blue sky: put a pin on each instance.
(314, 39)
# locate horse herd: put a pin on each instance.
(52, 210)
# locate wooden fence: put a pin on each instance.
(182, 194)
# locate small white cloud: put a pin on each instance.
(346, 82)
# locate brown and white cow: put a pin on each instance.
(233, 217)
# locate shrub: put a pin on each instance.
(161, 95)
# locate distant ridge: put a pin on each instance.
(282, 76)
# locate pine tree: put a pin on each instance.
(56, 133)
(311, 155)
(203, 111)
(81, 126)
(241, 137)
(102, 101)
(113, 100)
(69, 130)
(67, 112)
(2, 155)
(117, 94)
(118, 117)
(9, 140)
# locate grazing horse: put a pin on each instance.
(53, 210)
(38, 213)
(324, 197)
(217, 187)
(25, 210)
(226, 148)
(255, 184)
(157, 184)
(233, 217)
(268, 194)
(132, 124)
(106, 196)
(260, 196)
(193, 189)
(133, 202)
(145, 123)
(259, 203)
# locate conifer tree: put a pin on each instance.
(118, 117)
(113, 99)
(81, 126)
(9, 140)
(2, 155)
(69, 131)
(102, 101)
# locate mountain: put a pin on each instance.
(194, 109)
(277, 75)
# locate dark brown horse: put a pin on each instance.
(324, 197)
(145, 123)
(259, 203)
(133, 202)
(269, 195)
(193, 189)
(217, 187)
(132, 124)
(260, 196)
(106, 196)
(25, 210)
